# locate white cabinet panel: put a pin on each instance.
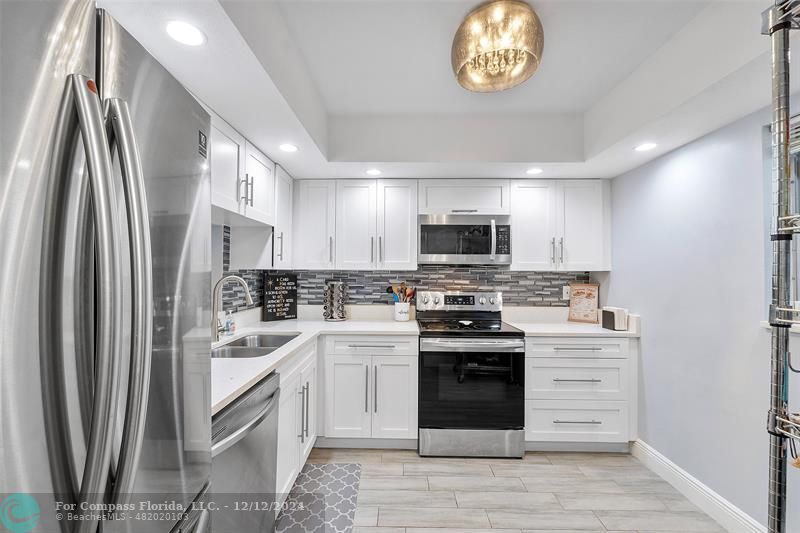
(576, 421)
(533, 224)
(356, 223)
(227, 166)
(578, 347)
(576, 379)
(397, 224)
(314, 221)
(308, 384)
(371, 345)
(260, 179)
(288, 429)
(582, 239)
(456, 196)
(394, 397)
(282, 238)
(348, 402)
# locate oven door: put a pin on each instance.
(472, 383)
(464, 240)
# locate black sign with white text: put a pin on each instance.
(280, 297)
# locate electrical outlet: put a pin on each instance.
(565, 292)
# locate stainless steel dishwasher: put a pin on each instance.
(244, 449)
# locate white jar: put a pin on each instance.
(401, 311)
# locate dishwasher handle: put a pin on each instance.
(246, 429)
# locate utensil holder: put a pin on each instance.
(402, 311)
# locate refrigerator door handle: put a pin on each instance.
(81, 113)
(121, 138)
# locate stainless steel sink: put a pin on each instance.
(252, 346)
(273, 341)
(235, 352)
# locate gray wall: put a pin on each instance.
(689, 240)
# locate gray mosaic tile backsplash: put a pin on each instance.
(535, 289)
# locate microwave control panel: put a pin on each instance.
(503, 240)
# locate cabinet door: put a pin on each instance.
(356, 225)
(288, 430)
(582, 233)
(282, 249)
(397, 224)
(227, 166)
(314, 224)
(394, 393)
(470, 197)
(308, 383)
(260, 175)
(347, 396)
(533, 225)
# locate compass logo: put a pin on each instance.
(19, 513)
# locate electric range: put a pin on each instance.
(471, 377)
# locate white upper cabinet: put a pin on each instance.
(314, 224)
(583, 225)
(533, 225)
(260, 183)
(282, 238)
(227, 166)
(464, 197)
(356, 224)
(397, 225)
(560, 225)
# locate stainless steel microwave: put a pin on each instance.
(464, 240)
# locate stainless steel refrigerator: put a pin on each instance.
(104, 273)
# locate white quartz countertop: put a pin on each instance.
(567, 329)
(232, 377)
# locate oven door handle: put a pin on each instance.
(446, 345)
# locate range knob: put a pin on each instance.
(425, 299)
(482, 300)
(436, 300)
(491, 301)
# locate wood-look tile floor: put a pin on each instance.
(401, 492)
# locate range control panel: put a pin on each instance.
(459, 301)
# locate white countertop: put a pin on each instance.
(231, 377)
(567, 329)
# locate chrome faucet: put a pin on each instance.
(216, 298)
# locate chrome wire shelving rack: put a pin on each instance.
(783, 427)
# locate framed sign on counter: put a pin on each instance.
(584, 301)
(280, 297)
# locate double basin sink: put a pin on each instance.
(252, 346)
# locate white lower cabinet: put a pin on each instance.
(370, 396)
(580, 390)
(296, 418)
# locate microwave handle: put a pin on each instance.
(494, 241)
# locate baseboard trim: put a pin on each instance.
(569, 447)
(724, 512)
(369, 444)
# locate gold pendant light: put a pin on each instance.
(498, 46)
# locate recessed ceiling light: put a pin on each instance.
(374, 172)
(287, 147)
(645, 147)
(534, 171)
(185, 33)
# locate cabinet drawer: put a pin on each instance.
(579, 347)
(371, 345)
(576, 421)
(576, 379)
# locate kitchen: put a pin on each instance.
(334, 266)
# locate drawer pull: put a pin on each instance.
(593, 380)
(586, 422)
(577, 349)
(380, 346)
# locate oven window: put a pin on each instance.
(456, 240)
(471, 391)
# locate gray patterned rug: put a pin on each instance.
(323, 500)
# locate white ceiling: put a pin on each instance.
(393, 56)
(361, 84)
